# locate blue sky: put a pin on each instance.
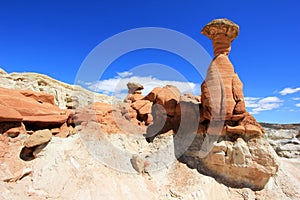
(54, 38)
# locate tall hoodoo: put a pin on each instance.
(228, 144)
(222, 91)
(239, 155)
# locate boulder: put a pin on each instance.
(133, 87)
(164, 101)
(38, 138)
(135, 108)
(172, 111)
(168, 97)
(101, 108)
(137, 163)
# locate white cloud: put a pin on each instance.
(297, 105)
(270, 100)
(257, 104)
(251, 98)
(296, 98)
(286, 91)
(251, 102)
(117, 86)
(124, 74)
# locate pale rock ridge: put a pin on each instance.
(64, 94)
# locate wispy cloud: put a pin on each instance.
(124, 74)
(297, 105)
(117, 85)
(288, 90)
(296, 98)
(251, 102)
(258, 105)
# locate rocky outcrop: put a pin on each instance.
(35, 110)
(226, 142)
(24, 112)
(74, 173)
(283, 138)
(135, 107)
(110, 118)
(164, 102)
(65, 95)
(235, 162)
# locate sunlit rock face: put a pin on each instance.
(237, 153)
(228, 143)
(222, 91)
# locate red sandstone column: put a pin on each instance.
(222, 96)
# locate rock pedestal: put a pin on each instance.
(229, 143)
(222, 95)
(235, 152)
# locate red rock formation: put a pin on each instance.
(35, 110)
(112, 119)
(37, 138)
(24, 111)
(222, 95)
(164, 101)
(229, 146)
(236, 154)
(135, 107)
(38, 96)
(134, 92)
(168, 97)
(169, 110)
